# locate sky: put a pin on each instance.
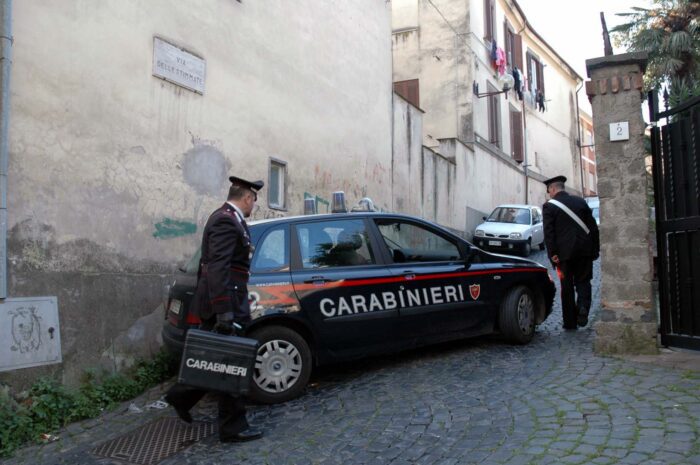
(573, 29)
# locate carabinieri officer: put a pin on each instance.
(222, 298)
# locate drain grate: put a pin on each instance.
(154, 442)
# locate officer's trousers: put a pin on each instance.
(232, 419)
(576, 274)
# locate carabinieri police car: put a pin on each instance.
(326, 288)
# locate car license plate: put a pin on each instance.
(494, 242)
(175, 306)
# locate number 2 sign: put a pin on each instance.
(619, 131)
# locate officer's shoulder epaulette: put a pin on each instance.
(226, 213)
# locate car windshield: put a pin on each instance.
(510, 215)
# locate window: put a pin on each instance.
(489, 18)
(407, 242)
(535, 73)
(272, 254)
(409, 90)
(494, 118)
(334, 243)
(513, 47)
(536, 217)
(277, 188)
(516, 135)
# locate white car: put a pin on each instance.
(511, 229)
(594, 205)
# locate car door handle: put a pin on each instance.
(318, 280)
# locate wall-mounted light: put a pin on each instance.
(506, 83)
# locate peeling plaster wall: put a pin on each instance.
(435, 58)
(113, 171)
(425, 180)
(407, 172)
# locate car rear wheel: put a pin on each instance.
(282, 366)
(516, 316)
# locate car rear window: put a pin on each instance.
(272, 253)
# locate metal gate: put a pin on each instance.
(675, 144)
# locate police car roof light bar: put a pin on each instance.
(338, 202)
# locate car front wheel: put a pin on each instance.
(527, 248)
(282, 366)
(516, 316)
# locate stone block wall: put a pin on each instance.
(628, 321)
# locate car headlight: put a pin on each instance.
(515, 235)
(479, 233)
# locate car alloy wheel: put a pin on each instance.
(277, 366)
(526, 312)
(516, 316)
(282, 365)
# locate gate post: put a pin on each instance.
(628, 322)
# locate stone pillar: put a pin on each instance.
(627, 321)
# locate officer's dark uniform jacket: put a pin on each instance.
(563, 236)
(223, 268)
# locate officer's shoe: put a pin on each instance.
(582, 319)
(182, 413)
(249, 434)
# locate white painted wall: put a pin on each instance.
(113, 172)
(102, 150)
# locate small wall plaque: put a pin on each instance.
(619, 131)
(178, 66)
(30, 335)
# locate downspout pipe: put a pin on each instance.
(579, 141)
(5, 69)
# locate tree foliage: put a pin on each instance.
(670, 32)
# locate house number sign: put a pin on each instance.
(619, 131)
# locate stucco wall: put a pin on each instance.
(113, 171)
(430, 51)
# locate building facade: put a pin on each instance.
(127, 118)
(450, 59)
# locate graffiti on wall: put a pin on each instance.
(26, 330)
(322, 205)
(169, 228)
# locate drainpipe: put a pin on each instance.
(578, 143)
(525, 162)
(5, 68)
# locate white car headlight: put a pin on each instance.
(515, 235)
(479, 233)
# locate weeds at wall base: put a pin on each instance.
(48, 405)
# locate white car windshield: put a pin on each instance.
(510, 215)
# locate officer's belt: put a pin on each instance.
(237, 273)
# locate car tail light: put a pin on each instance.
(192, 319)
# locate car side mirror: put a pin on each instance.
(484, 218)
(398, 256)
(471, 253)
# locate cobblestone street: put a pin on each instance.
(473, 402)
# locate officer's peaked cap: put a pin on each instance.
(252, 185)
(549, 181)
